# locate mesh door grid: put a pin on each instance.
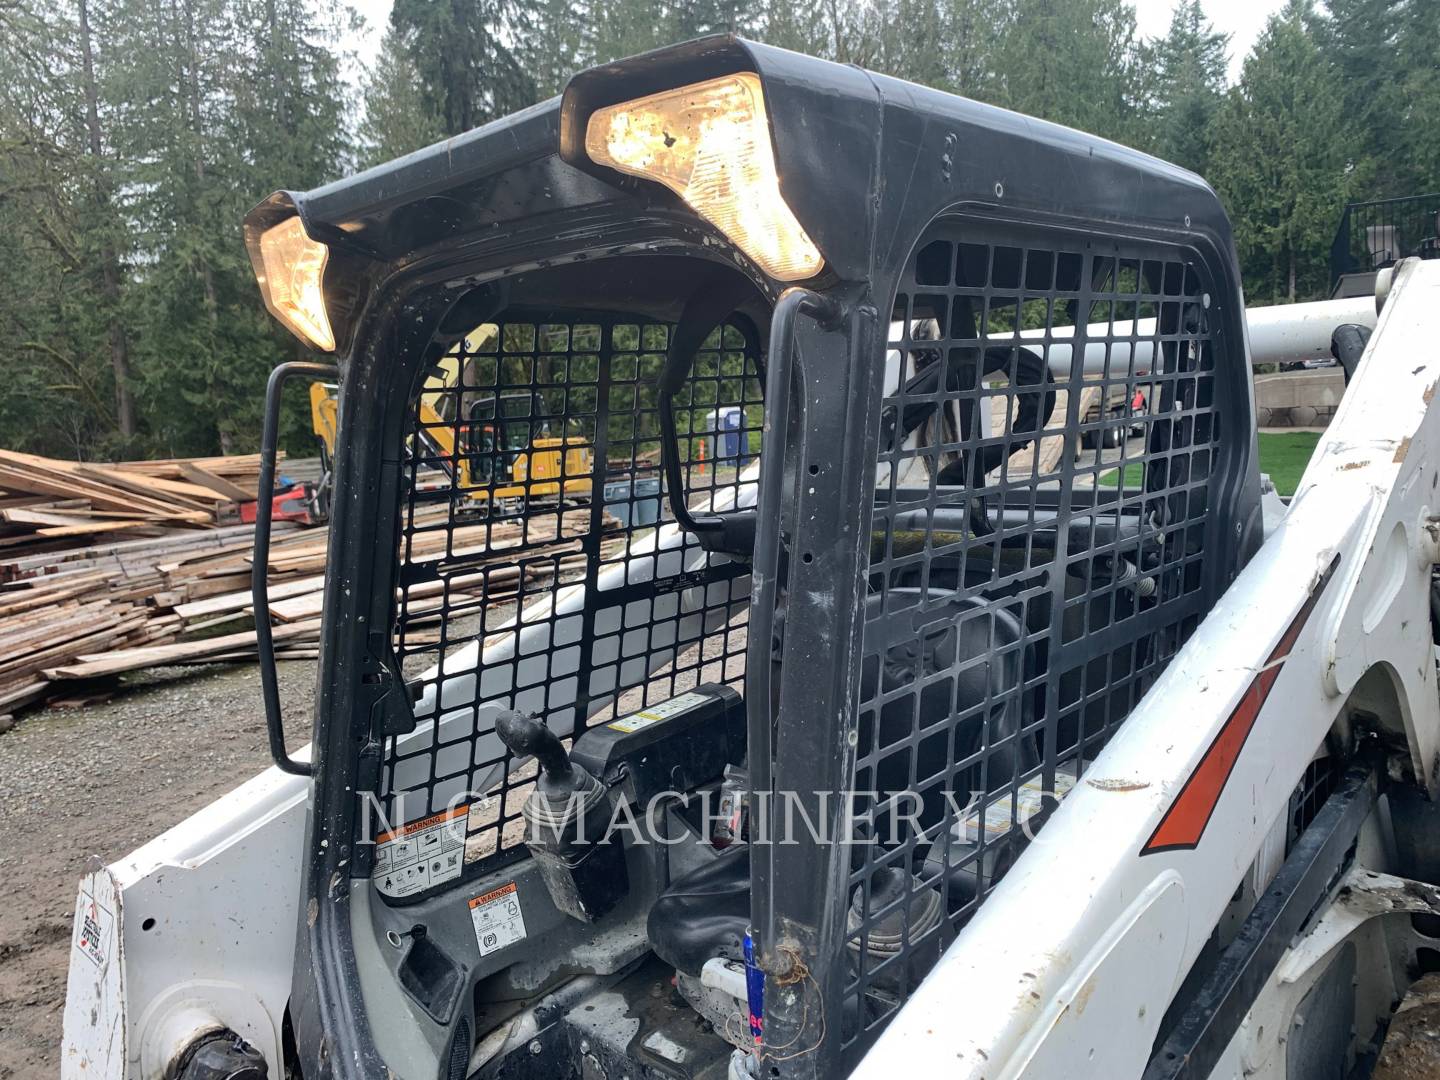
(532, 463)
(1039, 538)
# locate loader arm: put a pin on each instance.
(441, 436)
(1078, 950)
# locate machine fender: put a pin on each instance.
(95, 1039)
(173, 961)
(1103, 1004)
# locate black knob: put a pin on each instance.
(528, 737)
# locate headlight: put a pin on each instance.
(292, 281)
(710, 144)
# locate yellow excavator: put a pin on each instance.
(500, 452)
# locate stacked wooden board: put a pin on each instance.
(112, 569)
(92, 555)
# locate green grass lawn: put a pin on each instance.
(1283, 455)
(1134, 476)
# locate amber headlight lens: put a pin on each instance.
(710, 144)
(293, 281)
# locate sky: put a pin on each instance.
(1241, 19)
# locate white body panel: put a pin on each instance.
(1060, 932)
(199, 922)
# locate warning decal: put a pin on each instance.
(93, 930)
(653, 714)
(421, 855)
(1006, 810)
(497, 918)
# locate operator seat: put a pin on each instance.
(705, 913)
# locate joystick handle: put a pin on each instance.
(527, 736)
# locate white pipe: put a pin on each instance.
(1286, 333)
(1282, 334)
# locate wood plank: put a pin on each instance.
(91, 666)
(228, 465)
(36, 661)
(17, 502)
(20, 694)
(177, 540)
(216, 483)
(69, 478)
(57, 531)
(82, 700)
(85, 619)
(217, 620)
(239, 600)
(31, 599)
(20, 480)
(200, 588)
(191, 496)
(148, 488)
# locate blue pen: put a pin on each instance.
(754, 990)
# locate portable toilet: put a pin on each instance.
(726, 426)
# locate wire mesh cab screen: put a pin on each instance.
(1042, 522)
(538, 566)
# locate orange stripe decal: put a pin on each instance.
(1184, 823)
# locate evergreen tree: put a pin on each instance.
(620, 28)
(796, 25)
(290, 101)
(970, 33)
(1075, 62)
(696, 18)
(397, 119)
(1359, 40)
(468, 71)
(556, 46)
(102, 233)
(1417, 141)
(909, 40)
(56, 317)
(217, 102)
(1189, 64)
(174, 62)
(1279, 160)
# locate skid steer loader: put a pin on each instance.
(916, 747)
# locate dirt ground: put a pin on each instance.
(101, 781)
(1412, 1046)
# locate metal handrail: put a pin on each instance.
(1397, 214)
(260, 567)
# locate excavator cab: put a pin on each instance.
(708, 792)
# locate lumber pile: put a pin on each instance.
(94, 556)
(112, 569)
(46, 504)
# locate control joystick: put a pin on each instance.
(567, 822)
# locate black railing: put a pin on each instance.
(1376, 234)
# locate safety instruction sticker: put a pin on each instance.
(96, 921)
(498, 919)
(1003, 811)
(653, 714)
(421, 855)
